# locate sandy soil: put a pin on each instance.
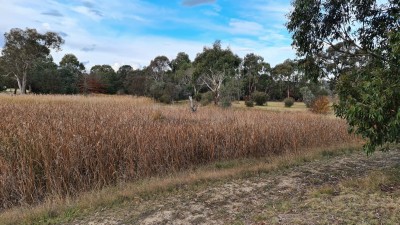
(295, 195)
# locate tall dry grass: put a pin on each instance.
(63, 145)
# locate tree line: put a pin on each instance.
(216, 74)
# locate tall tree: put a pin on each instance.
(159, 67)
(107, 77)
(123, 73)
(136, 83)
(44, 78)
(71, 71)
(287, 73)
(182, 71)
(24, 48)
(370, 93)
(214, 66)
(253, 67)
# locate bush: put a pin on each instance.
(249, 103)
(197, 97)
(207, 98)
(308, 96)
(288, 102)
(166, 98)
(320, 105)
(260, 98)
(225, 102)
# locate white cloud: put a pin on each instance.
(245, 27)
(271, 54)
(118, 37)
(95, 15)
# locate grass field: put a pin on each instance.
(60, 146)
(274, 106)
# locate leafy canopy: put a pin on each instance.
(368, 33)
(25, 48)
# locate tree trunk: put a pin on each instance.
(19, 84)
(216, 97)
(23, 86)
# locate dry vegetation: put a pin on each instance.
(61, 146)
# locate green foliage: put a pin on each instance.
(320, 105)
(308, 96)
(249, 103)
(253, 65)
(207, 98)
(214, 66)
(370, 102)
(107, 77)
(260, 98)
(225, 102)
(23, 49)
(165, 98)
(197, 97)
(369, 85)
(289, 102)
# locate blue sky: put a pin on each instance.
(119, 32)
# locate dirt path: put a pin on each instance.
(318, 192)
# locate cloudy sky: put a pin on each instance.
(119, 32)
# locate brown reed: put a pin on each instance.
(64, 145)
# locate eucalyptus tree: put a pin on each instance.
(370, 31)
(71, 72)
(25, 48)
(214, 66)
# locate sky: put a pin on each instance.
(133, 32)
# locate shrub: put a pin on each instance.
(197, 97)
(308, 96)
(260, 98)
(288, 102)
(165, 98)
(207, 98)
(249, 103)
(225, 102)
(320, 105)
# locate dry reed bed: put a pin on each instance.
(58, 145)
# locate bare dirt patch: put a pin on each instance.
(326, 191)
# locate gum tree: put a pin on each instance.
(369, 33)
(23, 49)
(214, 66)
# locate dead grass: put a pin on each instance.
(55, 147)
(61, 210)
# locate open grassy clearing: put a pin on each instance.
(274, 106)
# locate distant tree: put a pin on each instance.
(5, 80)
(123, 73)
(182, 72)
(106, 76)
(136, 83)
(181, 62)
(70, 71)
(24, 48)
(369, 93)
(214, 66)
(286, 73)
(253, 66)
(158, 68)
(44, 78)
